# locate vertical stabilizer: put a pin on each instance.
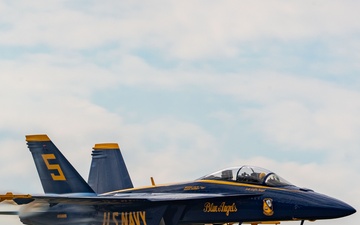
(57, 175)
(108, 170)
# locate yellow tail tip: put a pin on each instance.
(106, 146)
(37, 137)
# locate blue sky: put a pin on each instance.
(186, 88)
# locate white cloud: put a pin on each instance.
(305, 113)
(292, 110)
(167, 149)
(185, 30)
(300, 112)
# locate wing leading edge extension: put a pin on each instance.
(133, 198)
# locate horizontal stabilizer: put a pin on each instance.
(10, 196)
(9, 213)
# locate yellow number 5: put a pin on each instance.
(46, 158)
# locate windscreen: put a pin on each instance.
(248, 175)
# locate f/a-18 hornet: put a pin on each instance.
(243, 194)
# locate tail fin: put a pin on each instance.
(108, 170)
(57, 175)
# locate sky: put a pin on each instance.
(186, 88)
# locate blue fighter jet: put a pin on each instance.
(243, 194)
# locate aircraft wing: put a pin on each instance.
(131, 198)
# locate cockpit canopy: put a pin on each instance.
(249, 175)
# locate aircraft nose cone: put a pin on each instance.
(318, 206)
(339, 209)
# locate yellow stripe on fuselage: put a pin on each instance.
(219, 182)
(245, 185)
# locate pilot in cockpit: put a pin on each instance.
(254, 178)
(226, 175)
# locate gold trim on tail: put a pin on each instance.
(37, 137)
(105, 146)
